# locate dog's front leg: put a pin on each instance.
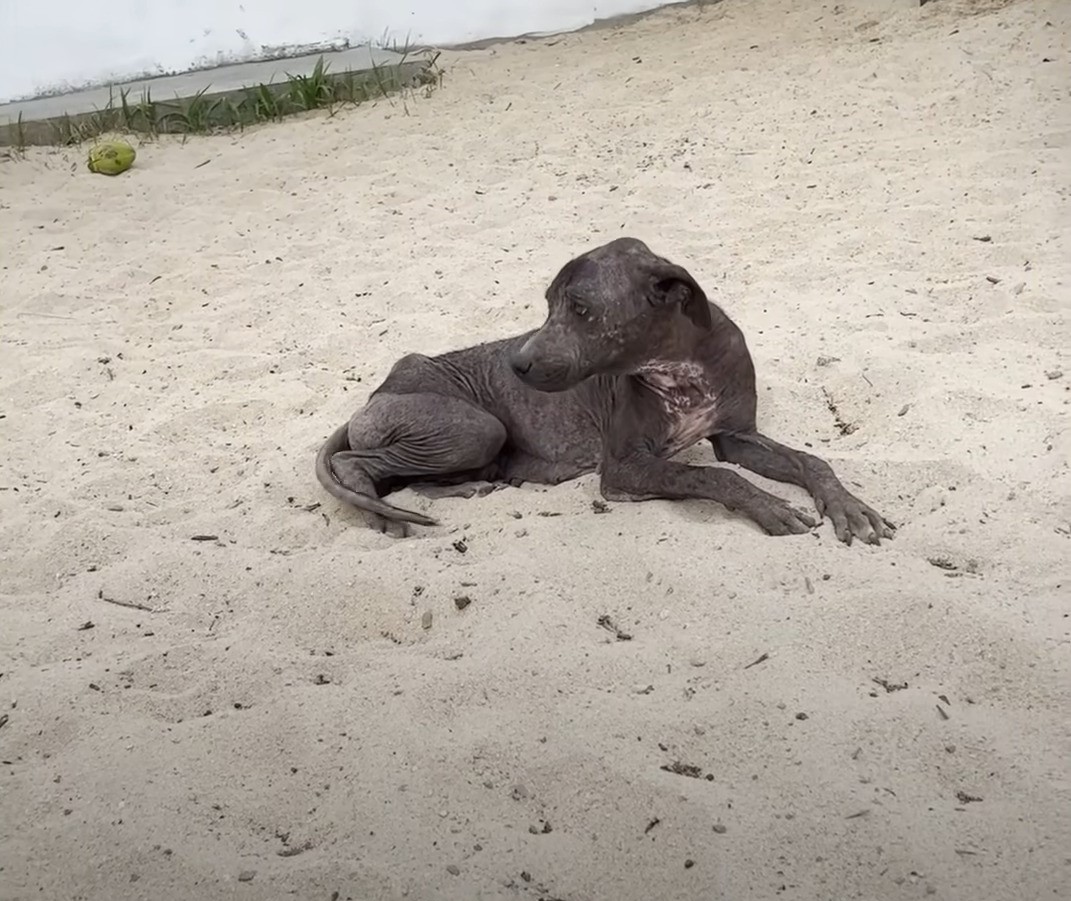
(638, 477)
(849, 515)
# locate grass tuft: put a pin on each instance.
(309, 92)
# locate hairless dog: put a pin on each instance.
(632, 365)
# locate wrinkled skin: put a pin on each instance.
(632, 365)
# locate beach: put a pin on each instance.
(217, 682)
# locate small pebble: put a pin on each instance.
(453, 870)
(519, 792)
(1054, 374)
(688, 864)
(720, 829)
(801, 716)
(246, 875)
(425, 620)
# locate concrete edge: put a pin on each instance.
(171, 115)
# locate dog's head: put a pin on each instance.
(610, 311)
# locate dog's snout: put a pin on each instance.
(522, 359)
(542, 365)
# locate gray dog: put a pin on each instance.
(632, 365)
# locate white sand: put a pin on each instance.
(826, 175)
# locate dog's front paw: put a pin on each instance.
(776, 517)
(852, 518)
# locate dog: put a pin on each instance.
(632, 365)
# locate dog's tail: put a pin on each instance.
(339, 441)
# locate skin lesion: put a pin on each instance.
(687, 430)
(681, 386)
(686, 399)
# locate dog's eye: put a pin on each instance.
(579, 309)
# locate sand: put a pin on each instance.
(878, 197)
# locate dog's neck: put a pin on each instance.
(682, 382)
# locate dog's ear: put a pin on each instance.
(672, 285)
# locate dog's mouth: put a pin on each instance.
(547, 378)
(544, 375)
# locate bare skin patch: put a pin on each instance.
(688, 399)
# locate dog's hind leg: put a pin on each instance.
(400, 438)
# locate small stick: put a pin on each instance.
(761, 659)
(133, 605)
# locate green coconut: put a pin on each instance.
(111, 157)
